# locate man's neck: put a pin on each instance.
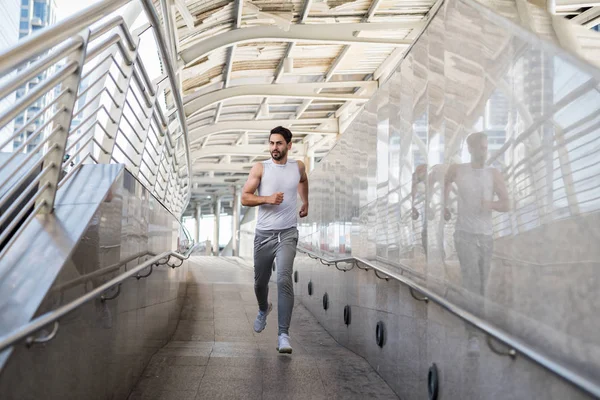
(283, 161)
(477, 164)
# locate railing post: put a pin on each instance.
(163, 139)
(58, 143)
(116, 110)
(145, 133)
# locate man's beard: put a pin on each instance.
(481, 158)
(279, 155)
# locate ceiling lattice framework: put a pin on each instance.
(247, 66)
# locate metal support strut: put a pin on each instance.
(104, 298)
(512, 353)
(30, 341)
(424, 298)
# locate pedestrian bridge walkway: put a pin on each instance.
(132, 123)
(215, 354)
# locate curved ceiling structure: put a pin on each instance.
(245, 67)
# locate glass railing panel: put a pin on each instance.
(511, 237)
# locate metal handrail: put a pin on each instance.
(164, 52)
(99, 272)
(88, 49)
(44, 39)
(40, 322)
(506, 338)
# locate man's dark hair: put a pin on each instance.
(475, 137)
(285, 132)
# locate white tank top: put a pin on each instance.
(474, 186)
(278, 178)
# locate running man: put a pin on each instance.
(278, 181)
(422, 191)
(477, 185)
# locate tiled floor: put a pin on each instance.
(215, 354)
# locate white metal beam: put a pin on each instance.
(239, 7)
(241, 125)
(588, 18)
(574, 4)
(279, 70)
(288, 51)
(251, 150)
(305, 11)
(328, 77)
(169, 24)
(383, 70)
(307, 87)
(228, 66)
(198, 134)
(294, 90)
(317, 146)
(188, 18)
(226, 78)
(372, 10)
(220, 180)
(312, 33)
(198, 139)
(237, 16)
(222, 168)
(242, 140)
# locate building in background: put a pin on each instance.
(34, 15)
(9, 35)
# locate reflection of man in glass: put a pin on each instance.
(477, 185)
(420, 177)
(425, 184)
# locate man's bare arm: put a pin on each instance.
(448, 181)
(303, 189)
(249, 199)
(502, 204)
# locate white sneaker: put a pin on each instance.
(284, 344)
(261, 319)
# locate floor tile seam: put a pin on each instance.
(321, 378)
(203, 373)
(212, 291)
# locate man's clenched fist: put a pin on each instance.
(303, 210)
(275, 198)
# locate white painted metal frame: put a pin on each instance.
(100, 80)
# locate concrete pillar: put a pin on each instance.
(237, 208)
(198, 219)
(217, 222)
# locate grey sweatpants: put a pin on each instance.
(475, 257)
(281, 247)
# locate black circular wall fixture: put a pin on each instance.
(380, 334)
(347, 315)
(325, 301)
(432, 382)
(310, 288)
(296, 276)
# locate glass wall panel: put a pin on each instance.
(474, 170)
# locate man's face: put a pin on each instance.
(278, 147)
(479, 149)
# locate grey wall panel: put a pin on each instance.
(418, 335)
(102, 348)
